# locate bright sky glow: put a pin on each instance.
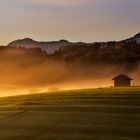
(74, 20)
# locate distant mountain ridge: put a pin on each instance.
(134, 38)
(53, 46)
(50, 47)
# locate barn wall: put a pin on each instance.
(122, 82)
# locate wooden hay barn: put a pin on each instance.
(122, 80)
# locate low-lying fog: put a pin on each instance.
(24, 75)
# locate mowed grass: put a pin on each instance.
(90, 114)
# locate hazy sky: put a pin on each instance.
(74, 20)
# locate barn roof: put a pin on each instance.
(122, 76)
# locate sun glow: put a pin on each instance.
(83, 84)
(12, 92)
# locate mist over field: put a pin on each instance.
(29, 71)
(71, 65)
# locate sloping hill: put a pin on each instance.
(100, 114)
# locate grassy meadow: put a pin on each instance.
(90, 114)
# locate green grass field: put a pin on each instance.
(92, 114)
